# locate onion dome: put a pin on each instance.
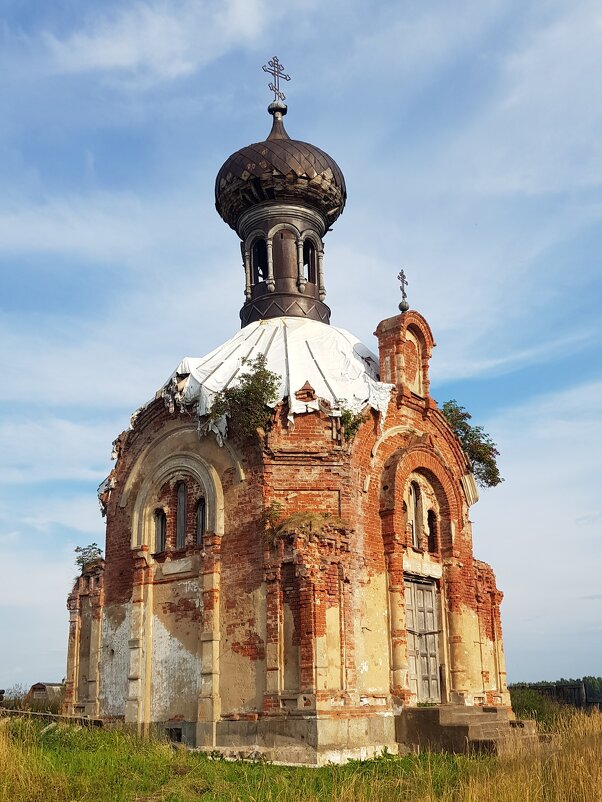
(279, 169)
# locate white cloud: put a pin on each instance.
(541, 529)
(464, 357)
(45, 449)
(495, 282)
(35, 578)
(158, 40)
(539, 131)
(120, 358)
(411, 42)
(95, 227)
(33, 593)
(39, 516)
(80, 513)
(115, 227)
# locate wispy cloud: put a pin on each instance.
(34, 587)
(50, 520)
(105, 225)
(44, 449)
(414, 42)
(80, 513)
(157, 40)
(538, 132)
(551, 447)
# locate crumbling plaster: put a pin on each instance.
(216, 638)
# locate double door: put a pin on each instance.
(422, 617)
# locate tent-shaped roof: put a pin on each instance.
(341, 371)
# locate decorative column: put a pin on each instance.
(273, 650)
(96, 592)
(73, 605)
(301, 280)
(397, 625)
(270, 283)
(321, 287)
(455, 581)
(498, 647)
(247, 266)
(307, 657)
(137, 706)
(209, 703)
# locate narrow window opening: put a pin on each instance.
(181, 517)
(414, 513)
(200, 522)
(160, 526)
(432, 531)
(309, 261)
(259, 261)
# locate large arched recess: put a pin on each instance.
(177, 450)
(397, 469)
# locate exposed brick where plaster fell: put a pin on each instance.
(310, 468)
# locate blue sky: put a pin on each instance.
(470, 135)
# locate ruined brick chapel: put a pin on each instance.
(301, 590)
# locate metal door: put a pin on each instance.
(421, 604)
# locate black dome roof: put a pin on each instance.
(279, 169)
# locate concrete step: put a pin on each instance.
(487, 730)
(527, 727)
(456, 714)
(451, 728)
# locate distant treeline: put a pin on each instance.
(577, 692)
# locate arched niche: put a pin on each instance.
(423, 516)
(281, 227)
(284, 242)
(175, 468)
(259, 260)
(414, 367)
(396, 478)
(177, 450)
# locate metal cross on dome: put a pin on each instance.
(275, 68)
(403, 283)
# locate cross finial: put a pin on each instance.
(275, 68)
(403, 283)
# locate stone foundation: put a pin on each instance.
(314, 739)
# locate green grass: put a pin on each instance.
(527, 703)
(65, 764)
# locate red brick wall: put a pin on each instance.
(311, 468)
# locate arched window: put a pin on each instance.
(259, 261)
(309, 261)
(181, 516)
(413, 363)
(200, 521)
(431, 519)
(414, 514)
(160, 529)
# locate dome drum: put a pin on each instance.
(284, 305)
(283, 256)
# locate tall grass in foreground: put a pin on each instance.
(67, 764)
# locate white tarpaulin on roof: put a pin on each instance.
(341, 371)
